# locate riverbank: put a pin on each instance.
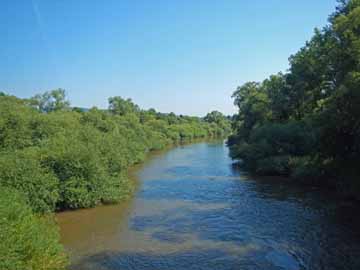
(58, 158)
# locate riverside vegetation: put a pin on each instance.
(305, 123)
(54, 157)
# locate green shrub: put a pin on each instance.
(269, 147)
(62, 158)
(78, 193)
(276, 165)
(15, 131)
(309, 170)
(116, 189)
(22, 171)
(26, 240)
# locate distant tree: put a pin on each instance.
(54, 100)
(78, 109)
(220, 121)
(214, 117)
(120, 106)
(172, 118)
(152, 111)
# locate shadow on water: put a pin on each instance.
(195, 210)
(192, 259)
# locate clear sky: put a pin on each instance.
(184, 56)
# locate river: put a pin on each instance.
(193, 209)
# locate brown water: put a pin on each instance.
(195, 210)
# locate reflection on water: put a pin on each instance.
(195, 210)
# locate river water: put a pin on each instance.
(195, 210)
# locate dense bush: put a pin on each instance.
(26, 240)
(274, 165)
(22, 170)
(65, 159)
(268, 148)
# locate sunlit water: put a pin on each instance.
(194, 210)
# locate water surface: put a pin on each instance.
(195, 210)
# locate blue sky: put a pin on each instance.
(182, 56)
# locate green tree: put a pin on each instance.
(305, 123)
(253, 103)
(54, 100)
(120, 106)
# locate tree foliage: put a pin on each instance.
(65, 159)
(306, 122)
(54, 100)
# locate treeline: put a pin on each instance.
(55, 157)
(305, 123)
